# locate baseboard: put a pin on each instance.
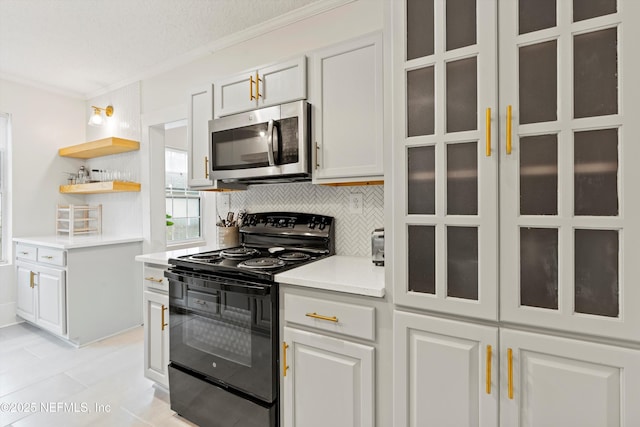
(8, 314)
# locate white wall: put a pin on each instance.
(42, 122)
(121, 212)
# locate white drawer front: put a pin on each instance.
(154, 278)
(51, 256)
(347, 319)
(26, 252)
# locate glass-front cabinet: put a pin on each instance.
(445, 146)
(569, 212)
(518, 194)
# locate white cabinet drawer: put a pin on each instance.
(26, 252)
(154, 278)
(51, 256)
(347, 319)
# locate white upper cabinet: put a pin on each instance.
(565, 128)
(200, 112)
(445, 156)
(199, 152)
(275, 84)
(347, 100)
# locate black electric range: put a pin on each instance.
(224, 319)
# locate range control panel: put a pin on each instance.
(294, 222)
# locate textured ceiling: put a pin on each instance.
(85, 46)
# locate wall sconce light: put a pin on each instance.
(96, 118)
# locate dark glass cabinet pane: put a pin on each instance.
(595, 69)
(596, 172)
(596, 272)
(461, 23)
(586, 9)
(420, 102)
(534, 15)
(539, 267)
(422, 258)
(462, 179)
(539, 175)
(421, 170)
(420, 28)
(462, 262)
(538, 82)
(462, 95)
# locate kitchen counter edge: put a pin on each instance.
(340, 273)
(62, 242)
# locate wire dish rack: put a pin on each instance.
(76, 220)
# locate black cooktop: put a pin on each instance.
(271, 242)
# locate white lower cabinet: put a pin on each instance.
(328, 377)
(445, 372)
(565, 382)
(82, 294)
(327, 381)
(454, 373)
(156, 337)
(42, 296)
(156, 324)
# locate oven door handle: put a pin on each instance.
(216, 283)
(259, 290)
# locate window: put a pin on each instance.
(4, 191)
(183, 205)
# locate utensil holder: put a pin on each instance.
(228, 236)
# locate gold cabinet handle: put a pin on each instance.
(258, 80)
(32, 276)
(251, 97)
(319, 316)
(153, 279)
(47, 257)
(509, 129)
(206, 167)
(489, 351)
(285, 346)
(164, 324)
(488, 132)
(510, 373)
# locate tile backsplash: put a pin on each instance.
(353, 230)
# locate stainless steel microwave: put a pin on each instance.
(267, 145)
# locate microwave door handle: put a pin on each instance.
(272, 161)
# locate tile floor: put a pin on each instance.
(101, 384)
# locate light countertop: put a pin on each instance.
(66, 242)
(350, 274)
(162, 258)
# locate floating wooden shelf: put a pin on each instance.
(100, 147)
(101, 187)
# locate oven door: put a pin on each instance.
(225, 330)
(268, 143)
